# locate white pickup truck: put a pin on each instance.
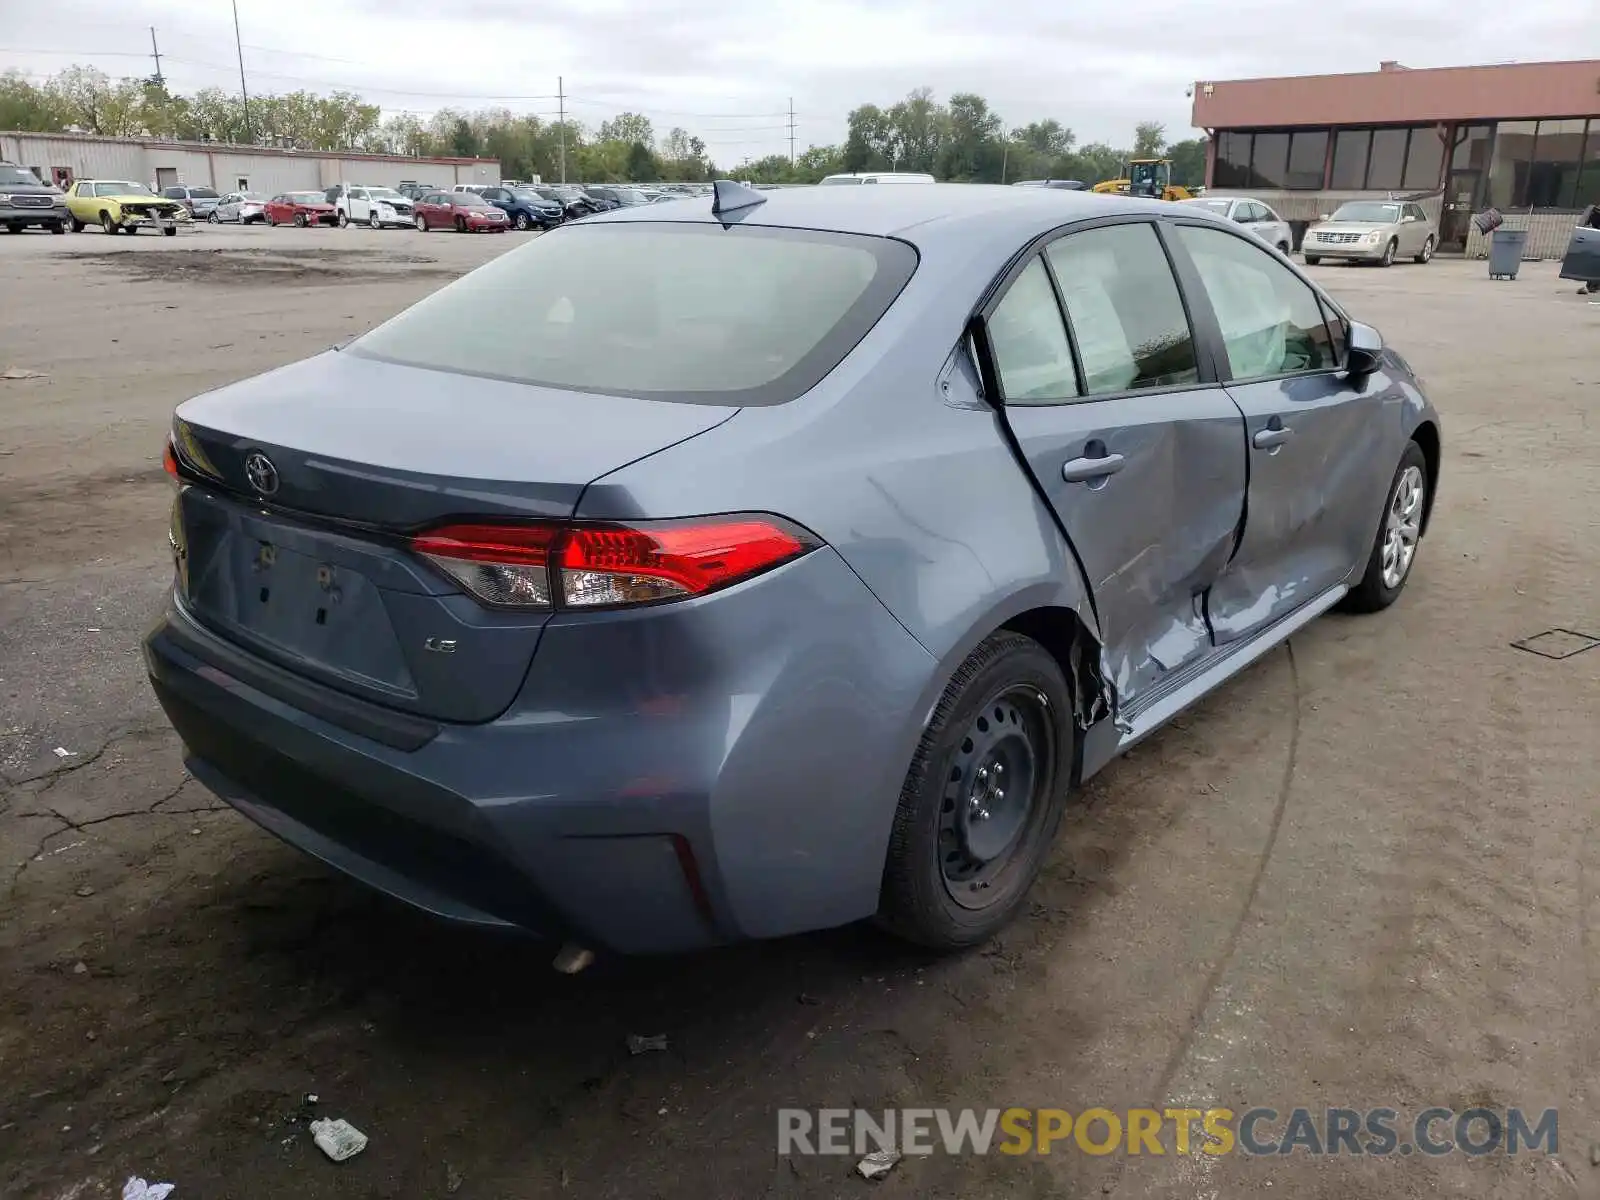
(376, 207)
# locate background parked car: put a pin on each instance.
(579, 202)
(1253, 215)
(24, 201)
(526, 207)
(1372, 231)
(198, 200)
(243, 207)
(415, 191)
(1064, 185)
(122, 206)
(465, 212)
(301, 208)
(619, 197)
(366, 205)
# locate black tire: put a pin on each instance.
(77, 225)
(1427, 251)
(212, 218)
(1312, 260)
(1372, 594)
(942, 887)
(1283, 249)
(300, 220)
(169, 230)
(421, 223)
(461, 224)
(344, 219)
(107, 224)
(523, 223)
(372, 219)
(58, 227)
(1389, 252)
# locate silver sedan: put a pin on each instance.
(1253, 215)
(243, 207)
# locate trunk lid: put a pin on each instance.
(299, 552)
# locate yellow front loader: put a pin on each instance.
(1146, 177)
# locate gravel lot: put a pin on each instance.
(1364, 874)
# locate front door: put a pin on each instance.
(1139, 453)
(1314, 438)
(1461, 199)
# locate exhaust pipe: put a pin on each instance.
(573, 958)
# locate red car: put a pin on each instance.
(465, 212)
(301, 208)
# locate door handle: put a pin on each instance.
(1087, 470)
(1266, 439)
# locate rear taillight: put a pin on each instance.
(169, 461)
(607, 566)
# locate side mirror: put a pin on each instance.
(1365, 352)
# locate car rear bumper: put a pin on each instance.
(669, 778)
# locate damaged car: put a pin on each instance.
(119, 206)
(721, 570)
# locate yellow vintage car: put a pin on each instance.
(118, 206)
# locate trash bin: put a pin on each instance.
(1505, 252)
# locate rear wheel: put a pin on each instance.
(169, 230)
(1394, 549)
(77, 225)
(1427, 250)
(983, 798)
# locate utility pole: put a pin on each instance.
(244, 92)
(561, 129)
(155, 52)
(791, 131)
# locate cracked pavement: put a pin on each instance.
(1362, 874)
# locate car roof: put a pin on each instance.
(924, 216)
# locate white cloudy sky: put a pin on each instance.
(726, 69)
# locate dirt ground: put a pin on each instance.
(1364, 874)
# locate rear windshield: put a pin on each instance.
(746, 315)
(203, 194)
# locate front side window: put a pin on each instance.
(1125, 309)
(659, 310)
(1271, 321)
(1029, 342)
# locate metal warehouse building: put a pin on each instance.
(1521, 137)
(63, 157)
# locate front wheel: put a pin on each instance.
(983, 798)
(1427, 250)
(213, 219)
(1394, 550)
(523, 223)
(1312, 260)
(300, 220)
(344, 219)
(422, 224)
(372, 220)
(77, 225)
(1389, 252)
(58, 227)
(107, 224)
(461, 224)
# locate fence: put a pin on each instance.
(1548, 235)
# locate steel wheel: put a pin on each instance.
(991, 793)
(1403, 527)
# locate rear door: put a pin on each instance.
(1128, 434)
(1315, 440)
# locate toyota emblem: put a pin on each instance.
(263, 476)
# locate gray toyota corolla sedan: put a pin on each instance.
(763, 562)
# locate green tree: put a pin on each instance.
(628, 127)
(818, 161)
(1095, 163)
(973, 148)
(642, 166)
(1048, 139)
(1188, 162)
(920, 130)
(871, 143)
(463, 140)
(1149, 139)
(92, 101)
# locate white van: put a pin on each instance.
(879, 177)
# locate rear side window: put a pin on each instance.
(1272, 323)
(1125, 309)
(1029, 342)
(747, 315)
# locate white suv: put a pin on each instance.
(376, 207)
